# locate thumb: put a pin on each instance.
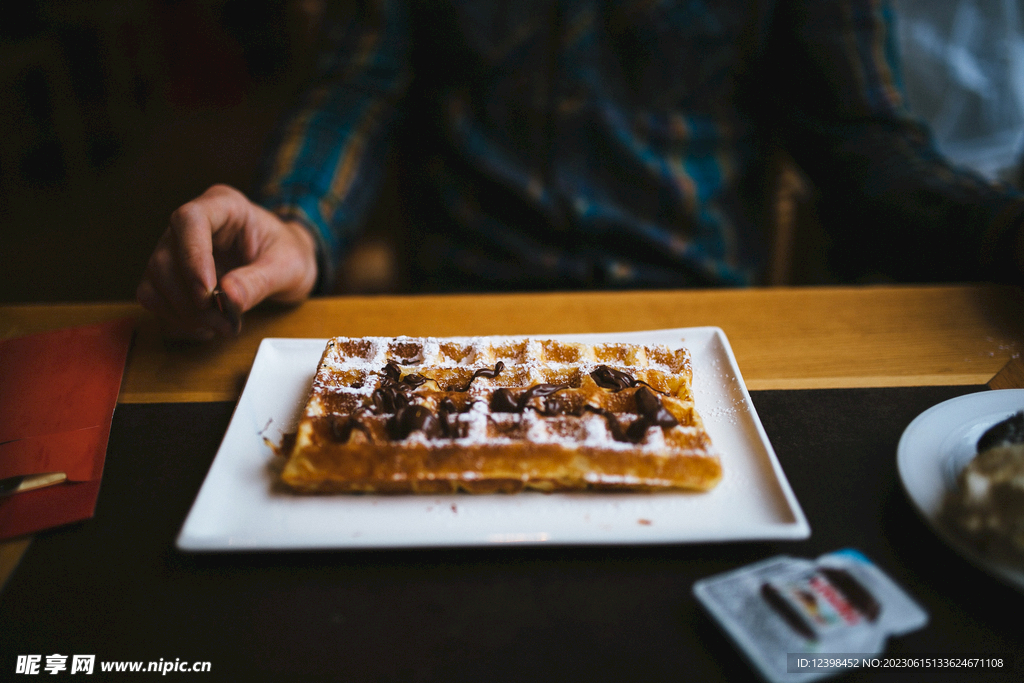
(276, 273)
(284, 268)
(250, 284)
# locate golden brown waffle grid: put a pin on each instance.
(427, 415)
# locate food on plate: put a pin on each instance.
(486, 415)
(987, 510)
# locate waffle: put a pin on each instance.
(487, 415)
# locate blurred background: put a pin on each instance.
(114, 112)
(963, 67)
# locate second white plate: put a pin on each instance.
(937, 445)
(240, 508)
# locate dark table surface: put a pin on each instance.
(116, 587)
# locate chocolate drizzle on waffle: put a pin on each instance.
(488, 373)
(617, 380)
(484, 415)
(393, 396)
(649, 406)
(652, 413)
(505, 401)
(342, 427)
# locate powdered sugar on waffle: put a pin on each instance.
(354, 367)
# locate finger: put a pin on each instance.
(271, 276)
(248, 285)
(161, 291)
(283, 269)
(203, 327)
(165, 276)
(192, 226)
(147, 295)
(231, 215)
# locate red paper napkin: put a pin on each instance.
(57, 396)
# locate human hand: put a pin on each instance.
(221, 239)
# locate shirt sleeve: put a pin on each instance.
(889, 202)
(327, 158)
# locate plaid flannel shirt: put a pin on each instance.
(592, 143)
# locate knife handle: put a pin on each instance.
(28, 482)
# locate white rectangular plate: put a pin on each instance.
(239, 506)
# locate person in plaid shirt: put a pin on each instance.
(563, 144)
